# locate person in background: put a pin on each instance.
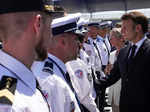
(104, 41)
(82, 25)
(81, 77)
(116, 40)
(93, 53)
(99, 41)
(118, 25)
(24, 32)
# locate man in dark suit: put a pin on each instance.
(132, 65)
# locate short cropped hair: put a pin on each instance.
(137, 18)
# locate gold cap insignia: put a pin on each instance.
(49, 8)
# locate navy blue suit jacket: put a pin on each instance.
(135, 91)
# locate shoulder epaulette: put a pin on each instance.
(88, 42)
(48, 67)
(7, 90)
(98, 39)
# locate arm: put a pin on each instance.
(110, 79)
(89, 103)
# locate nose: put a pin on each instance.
(122, 31)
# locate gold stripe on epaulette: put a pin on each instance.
(7, 94)
(49, 7)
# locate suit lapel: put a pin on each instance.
(125, 59)
(139, 54)
(141, 49)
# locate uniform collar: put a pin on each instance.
(58, 61)
(90, 39)
(100, 38)
(19, 69)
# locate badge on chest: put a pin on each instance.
(7, 90)
(79, 73)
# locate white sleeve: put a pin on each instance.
(10, 108)
(71, 102)
(5, 108)
(90, 104)
(82, 85)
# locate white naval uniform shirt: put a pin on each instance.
(59, 95)
(26, 97)
(61, 64)
(107, 41)
(89, 51)
(82, 82)
(94, 60)
(104, 49)
(93, 54)
(84, 56)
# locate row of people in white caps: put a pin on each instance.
(64, 95)
(128, 93)
(81, 75)
(95, 57)
(98, 48)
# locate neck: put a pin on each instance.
(94, 37)
(19, 50)
(138, 38)
(102, 35)
(59, 55)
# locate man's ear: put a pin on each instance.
(63, 41)
(37, 24)
(138, 28)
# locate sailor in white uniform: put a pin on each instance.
(100, 42)
(19, 90)
(89, 49)
(99, 51)
(103, 42)
(18, 87)
(51, 73)
(81, 77)
(82, 80)
(83, 29)
(55, 89)
(87, 52)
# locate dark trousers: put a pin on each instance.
(100, 91)
(100, 100)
